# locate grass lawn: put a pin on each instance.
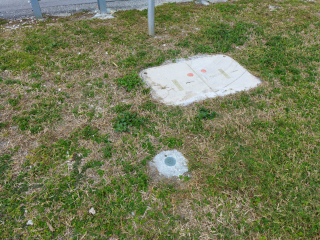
(78, 127)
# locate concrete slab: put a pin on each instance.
(170, 164)
(198, 78)
(104, 16)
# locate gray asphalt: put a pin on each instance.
(18, 9)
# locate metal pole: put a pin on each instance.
(36, 9)
(151, 17)
(102, 6)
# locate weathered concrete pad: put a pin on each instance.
(198, 78)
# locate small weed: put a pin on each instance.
(88, 92)
(48, 156)
(99, 83)
(49, 41)
(70, 85)
(75, 111)
(100, 172)
(43, 113)
(184, 43)
(5, 161)
(172, 142)
(206, 113)
(75, 175)
(229, 8)
(221, 37)
(130, 61)
(84, 109)
(4, 164)
(3, 125)
(173, 53)
(107, 151)
(3, 21)
(91, 164)
(196, 125)
(91, 113)
(125, 120)
(13, 101)
(35, 76)
(129, 82)
(91, 133)
(146, 91)
(11, 82)
(185, 179)
(149, 106)
(121, 107)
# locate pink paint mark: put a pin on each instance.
(190, 74)
(203, 70)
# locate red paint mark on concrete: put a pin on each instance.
(190, 74)
(203, 70)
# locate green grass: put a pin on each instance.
(129, 82)
(78, 127)
(44, 112)
(125, 120)
(3, 21)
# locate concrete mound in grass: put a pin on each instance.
(169, 164)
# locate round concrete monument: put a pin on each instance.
(170, 163)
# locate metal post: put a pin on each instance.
(102, 6)
(151, 17)
(36, 9)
